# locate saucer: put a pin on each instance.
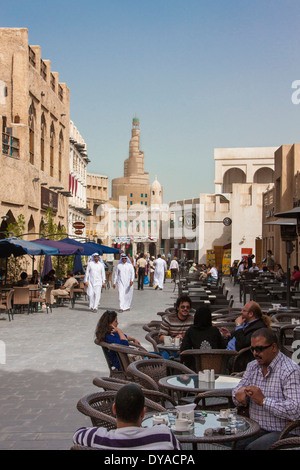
(188, 429)
(219, 418)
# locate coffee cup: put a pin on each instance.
(159, 420)
(167, 341)
(181, 424)
(224, 414)
(177, 342)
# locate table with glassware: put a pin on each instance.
(205, 426)
(191, 383)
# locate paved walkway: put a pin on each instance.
(51, 360)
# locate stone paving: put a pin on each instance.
(50, 363)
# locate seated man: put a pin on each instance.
(23, 281)
(65, 289)
(251, 319)
(176, 324)
(213, 274)
(270, 386)
(129, 410)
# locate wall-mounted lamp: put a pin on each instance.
(4, 217)
(42, 93)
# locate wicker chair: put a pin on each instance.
(110, 383)
(68, 296)
(286, 338)
(214, 400)
(240, 361)
(21, 298)
(125, 355)
(152, 325)
(153, 338)
(98, 406)
(288, 443)
(285, 440)
(79, 447)
(216, 359)
(285, 317)
(7, 305)
(80, 289)
(147, 373)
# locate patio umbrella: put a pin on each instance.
(47, 265)
(18, 247)
(63, 248)
(77, 266)
(102, 248)
(88, 250)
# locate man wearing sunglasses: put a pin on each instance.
(176, 324)
(270, 387)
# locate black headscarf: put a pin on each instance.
(202, 318)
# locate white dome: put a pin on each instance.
(156, 185)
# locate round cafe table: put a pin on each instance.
(191, 383)
(244, 428)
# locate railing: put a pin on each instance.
(10, 145)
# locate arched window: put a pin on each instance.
(31, 118)
(43, 133)
(52, 141)
(264, 175)
(60, 154)
(234, 175)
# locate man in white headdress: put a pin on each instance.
(94, 279)
(159, 273)
(124, 277)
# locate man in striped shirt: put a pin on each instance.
(129, 410)
(270, 386)
(176, 324)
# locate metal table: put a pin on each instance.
(245, 427)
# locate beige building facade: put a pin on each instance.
(231, 218)
(97, 197)
(34, 112)
(284, 196)
(78, 210)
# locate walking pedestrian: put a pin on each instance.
(94, 279)
(159, 273)
(124, 277)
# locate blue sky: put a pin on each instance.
(199, 75)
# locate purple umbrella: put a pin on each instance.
(64, 248)
(47, 265)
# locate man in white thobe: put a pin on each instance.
(94, 279)
(124, 277)
(159, 273)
